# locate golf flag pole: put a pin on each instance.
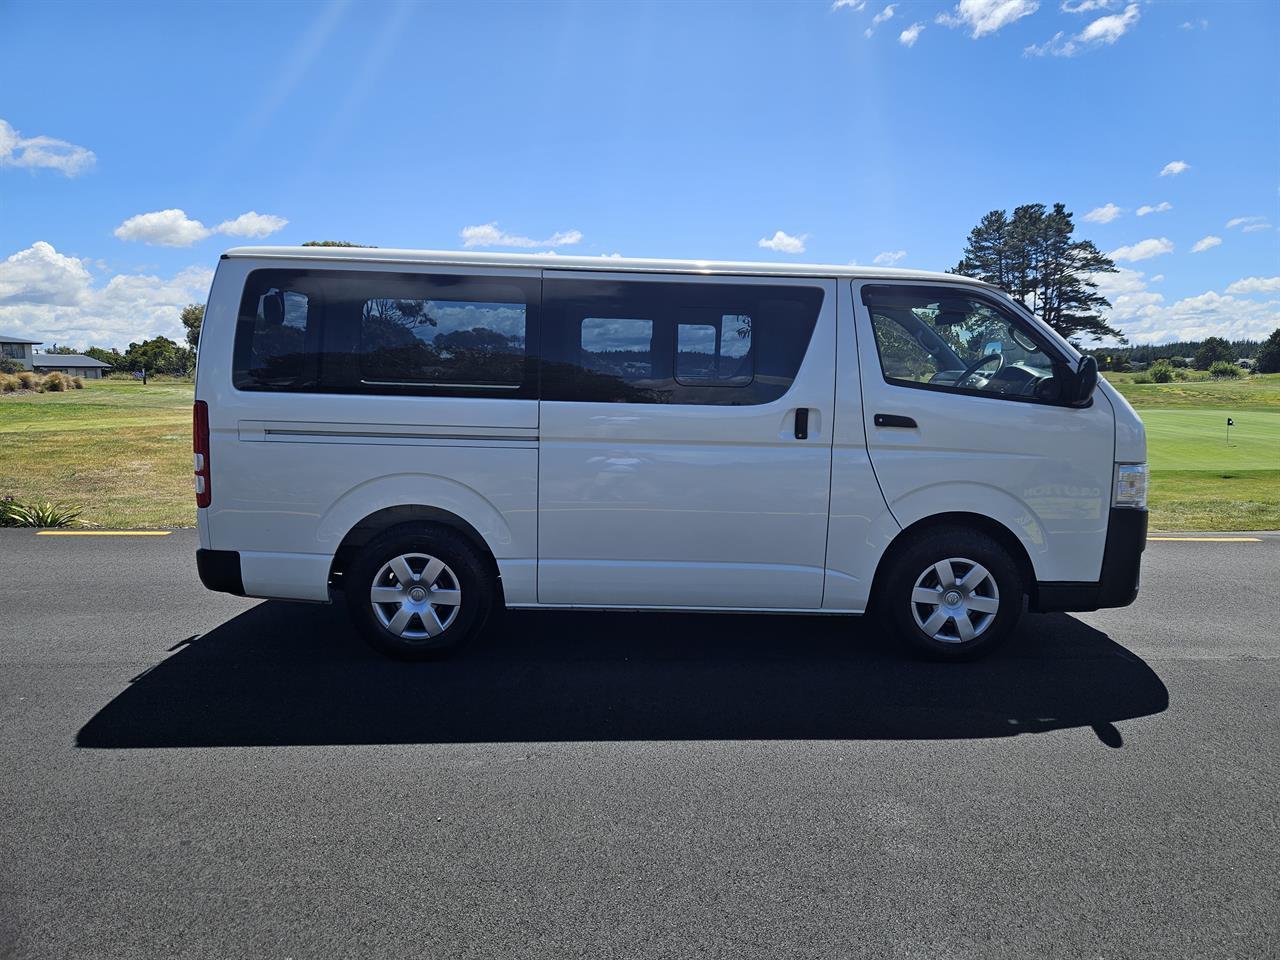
(1229, 425)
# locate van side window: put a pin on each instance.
(625, 341)
(709, 353)
(382, 332)
(441, 342)
(277, 343)
(939, 338)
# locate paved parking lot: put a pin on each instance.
(185, 774)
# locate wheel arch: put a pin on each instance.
(407, 515)
(976, 521)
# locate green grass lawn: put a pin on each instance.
(119, 449)
(123, 451)
(1199, 481)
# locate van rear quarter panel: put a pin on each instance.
(292, 473)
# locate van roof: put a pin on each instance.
(609, 264)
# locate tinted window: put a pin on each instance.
(278, 334)
(715, 354)
(939, 338)
(660, 342)
(441, 342)
(352, 331)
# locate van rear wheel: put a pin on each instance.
(419, 593)
(953, 594)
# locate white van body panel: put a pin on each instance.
(677, 505)
(294, 472)
(861, 526)
(1042, 471)
(1131, 433)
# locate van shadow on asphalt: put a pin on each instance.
(284, 673)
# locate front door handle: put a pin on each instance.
(894, 420)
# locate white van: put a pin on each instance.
(436, 434)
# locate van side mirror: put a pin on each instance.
(1083, 383)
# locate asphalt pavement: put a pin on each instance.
(186, 774)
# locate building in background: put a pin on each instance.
(18, 348)
(72, 364)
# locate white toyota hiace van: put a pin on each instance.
(436, 434)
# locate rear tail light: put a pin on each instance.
(200, 444)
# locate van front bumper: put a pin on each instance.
(220, 570)
(1121, 567)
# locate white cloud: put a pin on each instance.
(1103, 214)
(889, 258)
(33, 152)
(1110, 28)
(1161, 207)
(489, 235)
(1252, 285)
(1206, 243)
(1201, 24)
(1104, 30)
(987, 16)
(783, 242)
(51, 297)
(879, 18)
(854, 5)
(1157, 278)
(909, 36)
(1144, 318)
(252, 224)
(1084, 6)
(163, 228)
(1174, 168)
(173, 228)
(1249, 224)
(1143, 250)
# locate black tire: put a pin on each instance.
(924, 552)
(465, 570)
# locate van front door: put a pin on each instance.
(964, 413)
(685, 440)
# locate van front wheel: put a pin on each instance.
(419, 593)
(953, 594)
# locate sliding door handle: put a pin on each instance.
(802, 423)
(893, 420)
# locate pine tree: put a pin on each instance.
(1033, 257)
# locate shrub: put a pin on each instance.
(9, 365)
(15, 513)
(8, 383)
(1143, 377)
(1224, 370)
(77, 383)
(28, 380)
(1162, 372)
(54, 382)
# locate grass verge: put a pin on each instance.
(119, 449)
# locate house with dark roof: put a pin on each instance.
(18, 348)
(72, 364)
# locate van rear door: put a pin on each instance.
(685, 440)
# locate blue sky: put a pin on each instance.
(831, 133)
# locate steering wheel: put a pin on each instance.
(978, 364)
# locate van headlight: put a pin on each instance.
(1131, 486)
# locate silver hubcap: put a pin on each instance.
(955, 600)
(416, 596)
